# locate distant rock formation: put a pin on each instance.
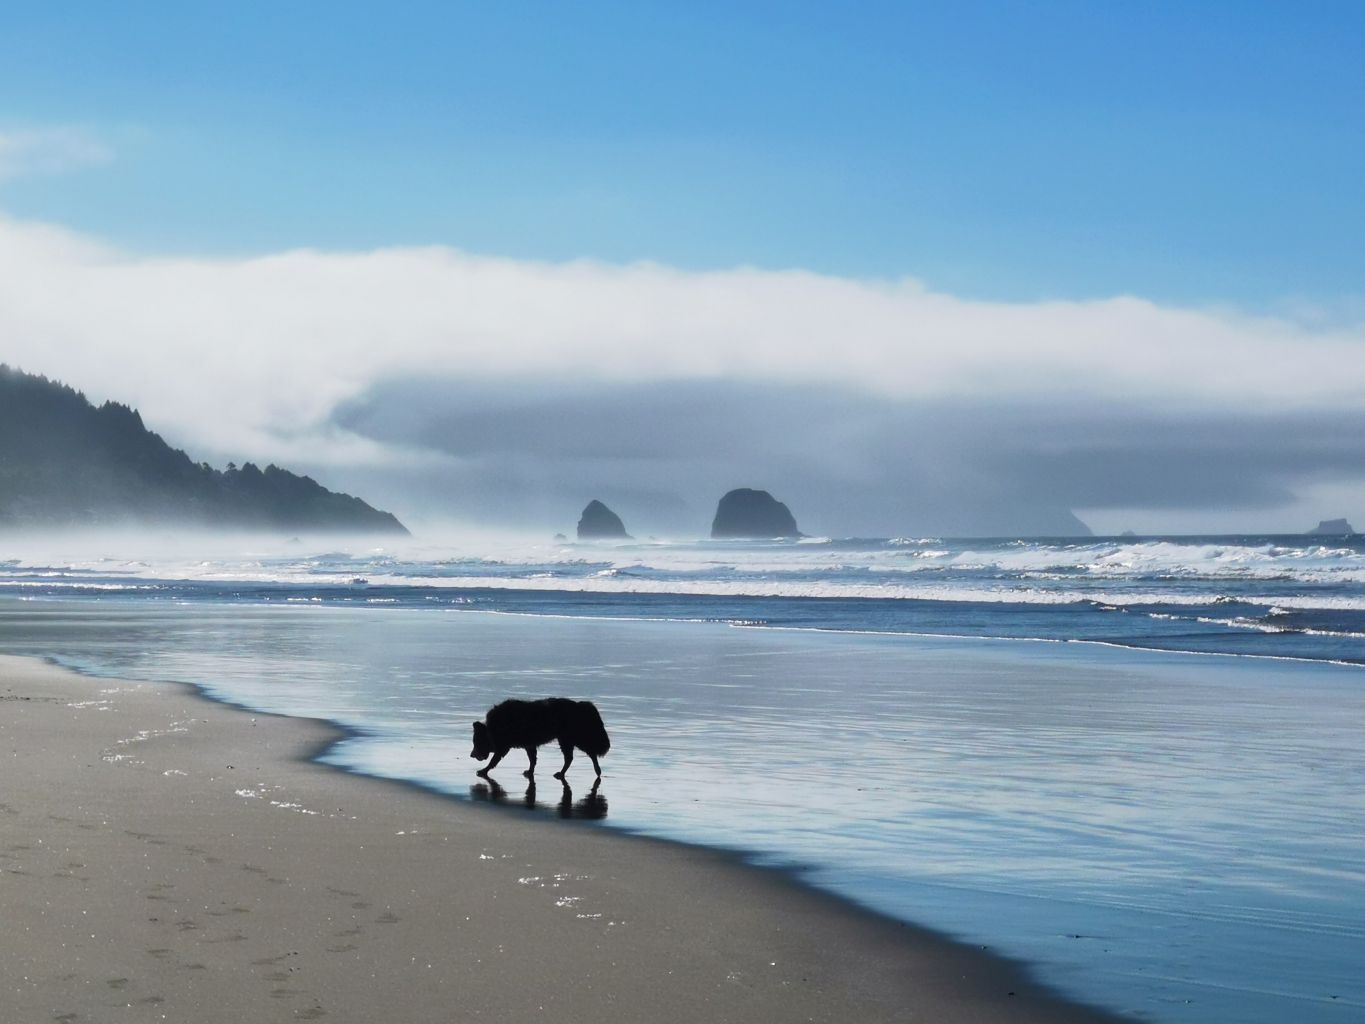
(65, 463)
(600, 523)
(1072, 526)
(748, 513)
(1332, 528)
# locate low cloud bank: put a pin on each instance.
(287, 357)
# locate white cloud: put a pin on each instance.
(25, 152)
(248, 357)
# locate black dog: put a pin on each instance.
(532, 723)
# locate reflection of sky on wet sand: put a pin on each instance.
(1176, 835)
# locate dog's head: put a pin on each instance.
(482, 745)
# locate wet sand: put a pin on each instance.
(165, 857)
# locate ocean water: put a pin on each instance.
(1286, 596)
(1135, 764)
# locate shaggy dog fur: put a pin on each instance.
(533, 723)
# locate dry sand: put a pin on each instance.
(164, 857)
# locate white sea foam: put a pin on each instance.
(614, 583)
(62, 583)
(1115, 574)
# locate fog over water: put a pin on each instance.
(530, 452)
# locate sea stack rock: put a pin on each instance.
(1332, 528)
(748, 513)
(600, 523)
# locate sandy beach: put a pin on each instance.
(166, 857)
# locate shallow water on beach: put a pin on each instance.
(1174, 836)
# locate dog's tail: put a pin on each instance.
(592, 736)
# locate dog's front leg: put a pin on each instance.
(497, 756)
(531, 753)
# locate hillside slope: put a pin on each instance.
(65, 462)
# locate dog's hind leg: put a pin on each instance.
(567, 749)
(531, 753)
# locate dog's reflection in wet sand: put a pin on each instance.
(592, 806)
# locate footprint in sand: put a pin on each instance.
(234, 937)
(228, 911)
(269, 960)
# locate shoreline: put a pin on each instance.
(174, 811)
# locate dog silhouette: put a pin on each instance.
(529, 724)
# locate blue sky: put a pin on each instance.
(1191, 153)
